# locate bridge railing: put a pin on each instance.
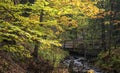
(71, 44)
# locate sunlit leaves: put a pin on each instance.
(67, 22)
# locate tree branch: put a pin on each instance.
(9, 12)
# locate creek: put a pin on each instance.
(80, 64)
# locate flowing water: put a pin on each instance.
(80, 64)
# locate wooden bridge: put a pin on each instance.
(80, 47)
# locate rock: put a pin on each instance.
(91, 71)
(76, 63)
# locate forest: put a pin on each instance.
(59, 36)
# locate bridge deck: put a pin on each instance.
(79, 47)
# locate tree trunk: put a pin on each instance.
(41, 17)
(35, 52)
(16, 2)
(110, 26)
(103, 30)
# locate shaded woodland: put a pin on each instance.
(33, 34)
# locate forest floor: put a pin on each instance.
(10, 65)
